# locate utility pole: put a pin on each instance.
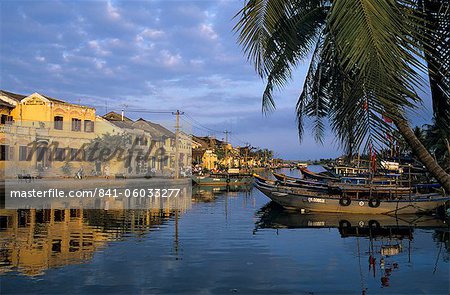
(226, 146)
(177, 136)
(247, 147)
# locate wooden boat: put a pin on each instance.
(308, 174)
(370, 189)
(293, 182)
(346, 170)
(223, 179)
(285, 178)
(307, 200)
(378, 189)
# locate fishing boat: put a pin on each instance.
(346, 170)
(378, 187)
(308, 174)
(225, 179)
(285, 178)
(312, 201)
(294, 182)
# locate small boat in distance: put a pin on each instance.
(222, 179)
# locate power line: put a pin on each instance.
(200, 124)
(149, 111)
(194, 122)
(199, 127)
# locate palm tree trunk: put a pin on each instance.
(422, 153)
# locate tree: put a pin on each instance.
(108, 147)
(437, 140)
(366, 64)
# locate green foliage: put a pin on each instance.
(367, 61)
(107, 146)
(437, 141)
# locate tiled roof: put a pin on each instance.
(13, 96)
(54, 99)
(20, 97)
(154, 128)
(5, 104)
(116, 119)
(113, 116)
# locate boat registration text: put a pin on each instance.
(316, 200)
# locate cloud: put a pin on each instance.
(150, 33)
(169, 59)
(112, 11)
(150, 54)
(208, 31)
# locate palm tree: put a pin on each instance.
(437, 140)
(366, 64)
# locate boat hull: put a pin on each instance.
(313, 202)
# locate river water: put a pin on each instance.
(223, 242)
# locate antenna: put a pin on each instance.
(124, 107)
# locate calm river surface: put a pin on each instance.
(222, 242)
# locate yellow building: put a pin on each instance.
(43, 136)
(209, 160)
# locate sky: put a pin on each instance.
(144, 56)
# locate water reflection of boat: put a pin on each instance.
(274, 216)
(380, 238)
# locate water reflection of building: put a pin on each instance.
(35, 240)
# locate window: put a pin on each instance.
(58, 122)
(23, 153)
(88, 126)
(4, 152)
(5, 119)
(76, 124)
(141, 140)
(60, 154)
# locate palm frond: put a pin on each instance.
(276, 34)
(436, 15)
(289, 44)
(372, 42)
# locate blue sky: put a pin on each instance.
(152, 55)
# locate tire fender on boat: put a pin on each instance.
(345, 201)
(374, 202)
